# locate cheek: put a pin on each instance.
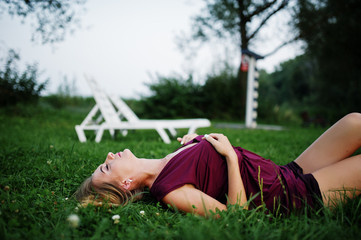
(117, 168)
(96, 180)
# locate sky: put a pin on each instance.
(126, 44)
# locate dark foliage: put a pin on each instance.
(239, 21)
(289, 88)
(16, 87)
(53, 18)
(290, 83)
(331, 29)
(223, 95)
(173, 98)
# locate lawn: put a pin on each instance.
(43, 163)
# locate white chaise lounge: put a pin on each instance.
(116, 115)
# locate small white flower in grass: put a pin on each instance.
(48, 162)
(116, 218)
(142, 213)
(73, 220)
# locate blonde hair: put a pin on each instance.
(106, 193)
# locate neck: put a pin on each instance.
(148, 171)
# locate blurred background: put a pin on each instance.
(175, 59)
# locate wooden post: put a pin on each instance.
(252, 89)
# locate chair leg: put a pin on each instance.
(192, 129)
(99, 135)
(112, 133)
(163, 135)
(80, 132)
(172, 131)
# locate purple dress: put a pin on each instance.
(278, 188)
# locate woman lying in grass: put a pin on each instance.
(207, 173)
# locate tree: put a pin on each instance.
(175, 97)
(233, 18)
(53, 19)
(240, 20)
(288, 88)
(220, 94)
(330, 29)
(18, 87)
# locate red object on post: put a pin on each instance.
(244, 63)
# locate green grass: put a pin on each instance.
(43, 163)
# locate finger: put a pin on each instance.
(179, 139)
(205, 136)
(210, 139)
(216, 135)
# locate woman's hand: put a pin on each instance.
(236, 191)
(187, 138)
(221, 144)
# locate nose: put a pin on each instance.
(110, 157)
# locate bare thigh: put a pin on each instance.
(337, 143)
(339, 180)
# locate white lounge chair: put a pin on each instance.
(112, 118)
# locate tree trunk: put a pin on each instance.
(242, 76)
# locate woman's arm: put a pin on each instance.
(189, 199)
(236, 191)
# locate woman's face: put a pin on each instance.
(115, 169)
